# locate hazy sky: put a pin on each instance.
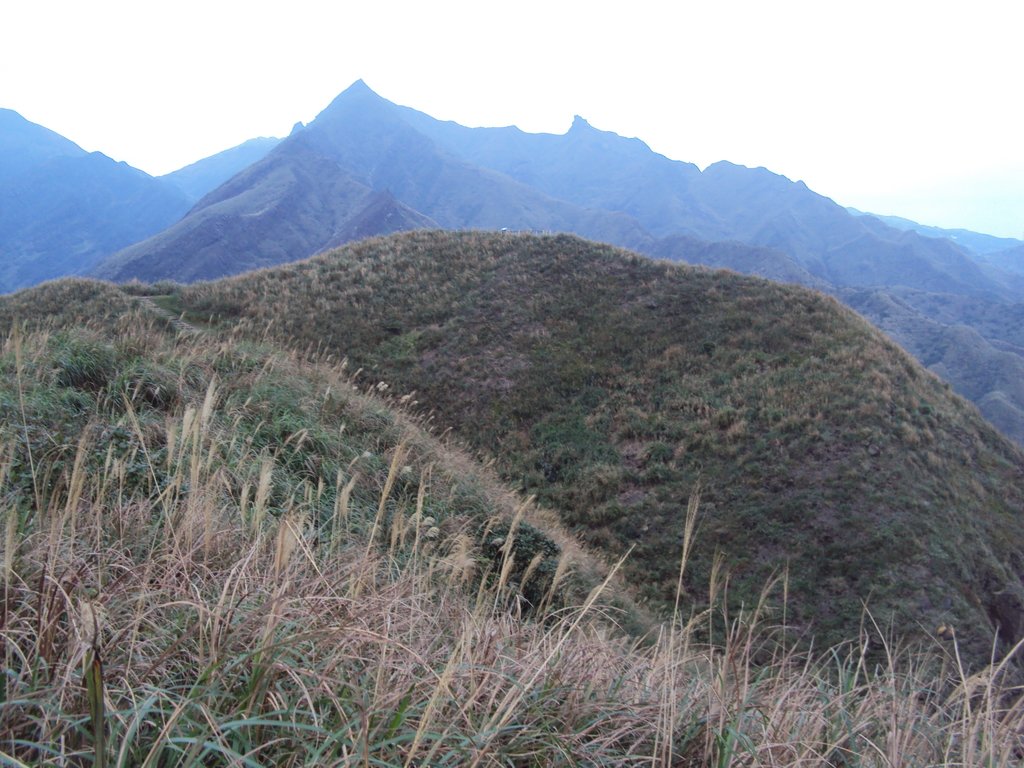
(902, 107)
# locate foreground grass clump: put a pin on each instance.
(215, 554)
(609, 385)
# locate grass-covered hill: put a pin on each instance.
(252, 563)
(613, 387)
(215, 552)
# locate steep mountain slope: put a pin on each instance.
(63, 209)
(600, 169)
(24, 144)
(292, 202)
(356, 148)
(368, 135)
(203, 176)
(613, 386)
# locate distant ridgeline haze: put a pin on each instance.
(366, 166)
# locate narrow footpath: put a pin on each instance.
(176, 322)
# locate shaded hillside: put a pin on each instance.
(613, 386)
(205, 175)
(63, 209)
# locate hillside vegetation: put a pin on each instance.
(613, 387)
(216, 553)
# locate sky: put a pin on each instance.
(899, 107)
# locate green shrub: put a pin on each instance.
(83, 363)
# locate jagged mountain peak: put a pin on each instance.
(580, 124)
(581, 128)
(358, 96)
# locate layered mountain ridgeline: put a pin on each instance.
(600, 169)
(204, 176)
(311, 192)
(295, 572)
(613, 387)
(975, 242)
(976, 346)
(590, 182)
(63, 209)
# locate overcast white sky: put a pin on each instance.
(902, 107)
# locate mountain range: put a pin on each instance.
(366, 166)
(63, 209)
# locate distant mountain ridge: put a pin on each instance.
(605, 187)
(355, 147)
(366, 167)
(977, 242)
(312, 192)
(205, 175)
(63, 209)
(599, 185)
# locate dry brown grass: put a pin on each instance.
(183, 595)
